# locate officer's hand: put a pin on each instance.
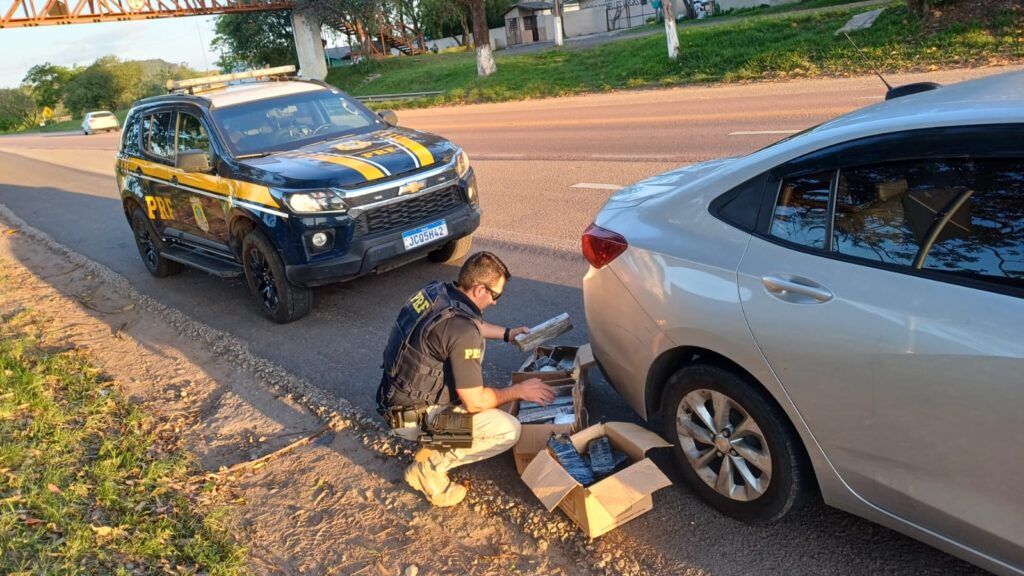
(535, 390)
(517, 331)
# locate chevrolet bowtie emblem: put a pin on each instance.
(411, 187)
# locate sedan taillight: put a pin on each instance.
(601, 246)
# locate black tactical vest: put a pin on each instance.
(412, 376)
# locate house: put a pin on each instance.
(528, 22)
(338, 56)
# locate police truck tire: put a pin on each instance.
(453, 250)
(755, 437)
(278, 299)
(149, 245)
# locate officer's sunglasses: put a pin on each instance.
(494, 295)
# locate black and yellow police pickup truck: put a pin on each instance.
(290, 182)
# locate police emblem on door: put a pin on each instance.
(197, 211)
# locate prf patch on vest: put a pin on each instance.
(420, 303)
(473, 353)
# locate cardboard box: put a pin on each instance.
(612, 501)
(534, 437)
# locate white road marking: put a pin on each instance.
(593, 186)
(753, 132)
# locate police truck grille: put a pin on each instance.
(401, 214)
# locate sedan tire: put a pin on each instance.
(733, 446)
(278, 299)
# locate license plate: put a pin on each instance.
(425, 234)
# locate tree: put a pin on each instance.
(95, 87)
(485, 65)
(47, 81)
(255, 39)
(17, 110)
(918, 8)
(671, 36)
(443, 18)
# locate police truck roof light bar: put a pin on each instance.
(190, 84)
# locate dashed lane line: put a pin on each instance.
(593, 186)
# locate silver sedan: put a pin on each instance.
(839, 313)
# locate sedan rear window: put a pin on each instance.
(958, 216)
(801, 210)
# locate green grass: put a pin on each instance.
(793, 46)
(90, 484)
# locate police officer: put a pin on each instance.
(433, 361)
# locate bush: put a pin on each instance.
(17, 109)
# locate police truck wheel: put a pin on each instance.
(733, 446)
(149, 245)
(451, 251)
(279, 299)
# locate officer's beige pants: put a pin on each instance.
(494, 431)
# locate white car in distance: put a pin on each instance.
(99, 120)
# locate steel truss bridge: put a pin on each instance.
(27, 13)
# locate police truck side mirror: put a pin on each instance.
(194, 161)
(389, 117)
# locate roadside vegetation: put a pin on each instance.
(89, 483)
(752, 48)
(51, 93)
(75, 124)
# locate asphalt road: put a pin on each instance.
(544, 168)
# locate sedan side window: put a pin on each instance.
(801, 210)
(158, 134)
(964, 217)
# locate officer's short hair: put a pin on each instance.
(482, 268)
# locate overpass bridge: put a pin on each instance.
(29, 13)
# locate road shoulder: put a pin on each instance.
(317, 486)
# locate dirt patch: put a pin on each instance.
(317, 485)
(943, 14)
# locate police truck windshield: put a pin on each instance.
(289, 122)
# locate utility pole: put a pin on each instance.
(558, 23)
(670, 28)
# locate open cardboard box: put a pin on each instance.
(615, 499)
(534, 436)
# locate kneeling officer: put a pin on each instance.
(432, 374)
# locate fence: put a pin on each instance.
(622, 14)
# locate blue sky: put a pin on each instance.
(177, 40)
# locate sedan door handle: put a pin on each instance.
(797, 290)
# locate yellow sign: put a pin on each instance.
(47, 112)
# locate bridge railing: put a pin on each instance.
(26, 13)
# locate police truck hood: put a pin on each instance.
(352, 161)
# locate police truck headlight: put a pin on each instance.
(316, 201)
(462, 163)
